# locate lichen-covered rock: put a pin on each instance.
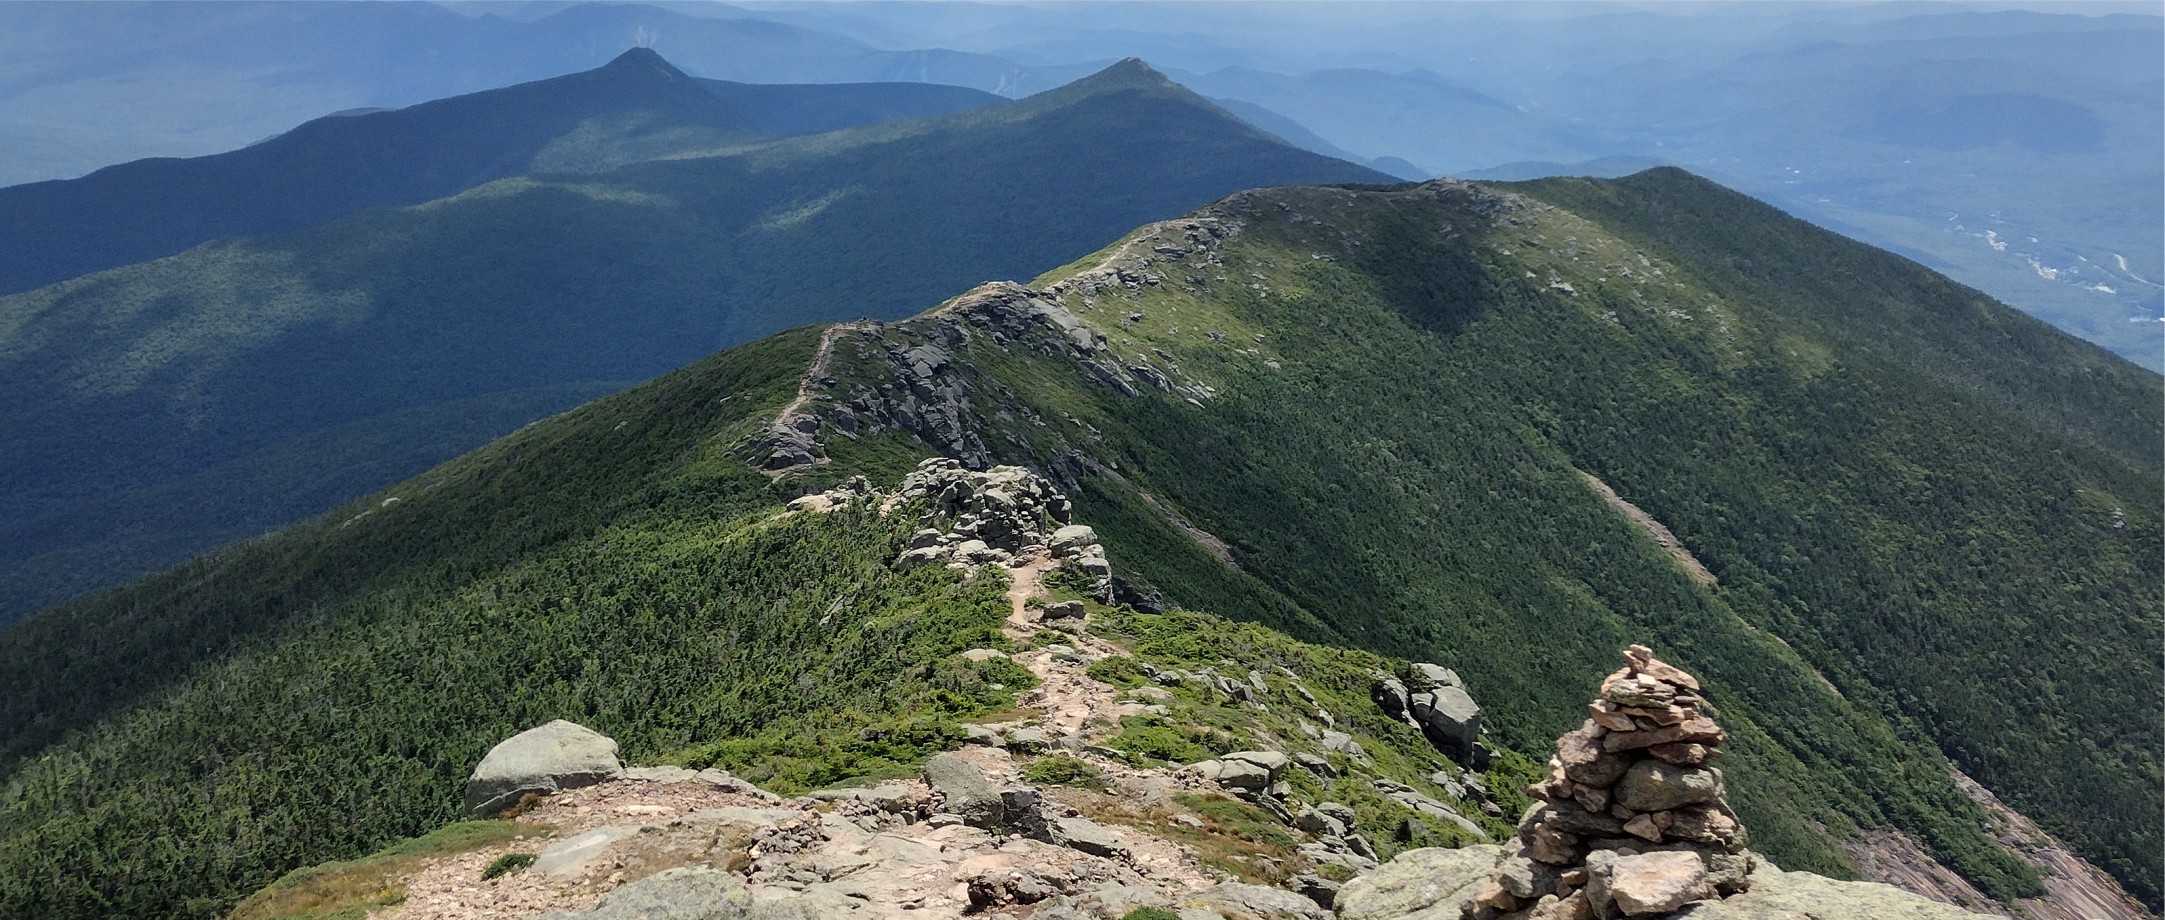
(542, 760)
(1424, 884)
(1243, 900)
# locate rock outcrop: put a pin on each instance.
(1433, 699)
(1634, 820)
(996, 517)
(540, 761)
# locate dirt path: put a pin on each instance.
(821, 359)
(1069, 698)
(1654, 529)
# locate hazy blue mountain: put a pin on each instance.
(88, 85)
(634, 108)
(1602, 168)
(1880, 120)
(1418, 116)
(159, 409)
(1298, 135)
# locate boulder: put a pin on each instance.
(921, 556)
(1656, 883)
(544, 760)
(1316, 764)
(1069, 540)
(1424, 884)
(1268, 760)
(1241, 773)
(1028, 740)
(964, 791)
(1391, 694)
(1450, 718)
(1319, 823)
(1062, 610)
(1429, 676)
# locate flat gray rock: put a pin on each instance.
(1087, 836)
(1778, 895)
(1257, 901)
(544, 760)
(672, 894)
(565, 858)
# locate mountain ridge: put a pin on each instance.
(1268, 370)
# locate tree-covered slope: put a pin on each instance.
(1382, 403)
(122, 384)
(636, 107)
(1360, 417)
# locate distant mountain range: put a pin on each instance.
(162, 408)
(638, 107)
(2013, 149)
(1898, 529)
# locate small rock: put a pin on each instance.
(1063, 610)
(1655, 785)
(1272, 761)
(1088, 837)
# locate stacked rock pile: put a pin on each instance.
(1633, 820)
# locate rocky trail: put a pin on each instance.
(971, 837)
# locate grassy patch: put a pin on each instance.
(336, 891)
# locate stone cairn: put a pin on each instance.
(1633, 820)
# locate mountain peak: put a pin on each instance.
(1127, 74)
(645, 61)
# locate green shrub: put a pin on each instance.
(1062, 770)
(507, 863)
